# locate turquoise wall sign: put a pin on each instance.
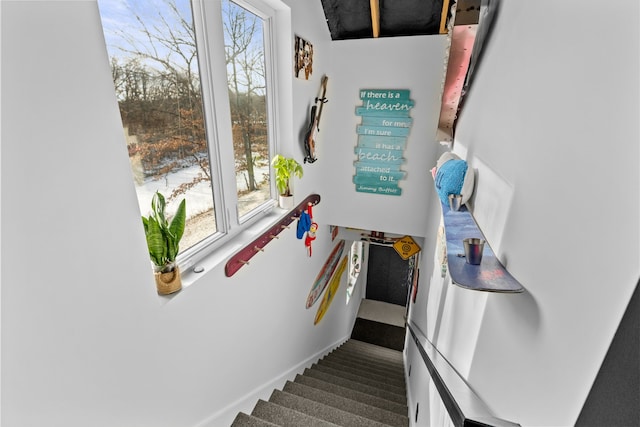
(379, 178)
(390, 143)
(385, 94)
(401, 122)
(382, 131)
(382, 138)
(371, 155)
(373, 167)
(362, 111)
(379, 189)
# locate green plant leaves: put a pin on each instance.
(157, 207)
(285, 168)
(176, 229)
(156, 242)
(163, 238)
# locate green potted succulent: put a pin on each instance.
(285, 169)
(163, 238)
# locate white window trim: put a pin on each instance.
(210, 40)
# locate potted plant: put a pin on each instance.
(285, 169)
(163, 238)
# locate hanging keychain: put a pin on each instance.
(311, 236)
(306, 225)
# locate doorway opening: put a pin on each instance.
(389, 276)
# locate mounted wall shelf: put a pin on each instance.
(490, 275)
(242, 257)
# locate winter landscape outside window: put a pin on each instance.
(192, 83)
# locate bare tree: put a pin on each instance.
(246, 86)
(160, 96)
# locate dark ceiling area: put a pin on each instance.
(352, 19)
(358, 19)
(410, 17)
(457, 19)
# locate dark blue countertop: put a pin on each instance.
(490, 275)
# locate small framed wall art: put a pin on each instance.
(303, 58)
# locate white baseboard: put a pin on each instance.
(226, 415)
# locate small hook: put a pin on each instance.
(258, 249)
(243, 262)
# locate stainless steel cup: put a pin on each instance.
(473, 248)
(455, 201)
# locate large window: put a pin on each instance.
(194, 87)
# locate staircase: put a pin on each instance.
(357, 385)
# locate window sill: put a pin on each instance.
(194, 271)
(242, 246)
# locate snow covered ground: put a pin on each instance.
(199, 199)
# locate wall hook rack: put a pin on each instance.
(242, 257)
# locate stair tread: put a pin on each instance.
(380, 349)
(358, 408)
(383, 352)
(358, 386)
(244, 420)
(364, 363)
(379, 333)
(358, 396)
(390, 379)
(286, 417)
(360, 379)
(321, 411)
(363, 355)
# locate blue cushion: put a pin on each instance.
(449, 178)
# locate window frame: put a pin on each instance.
(217, 116)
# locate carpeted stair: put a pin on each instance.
(379, 333)
(359, 384)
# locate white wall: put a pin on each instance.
(551, 127)
(85, 338)
(309, 25)
(414, 63)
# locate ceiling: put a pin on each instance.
(359, 19)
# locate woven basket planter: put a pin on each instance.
(168, 283)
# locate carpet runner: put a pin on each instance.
(359, 384)
(378, 333)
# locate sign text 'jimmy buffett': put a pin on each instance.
(382, 138)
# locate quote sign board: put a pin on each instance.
(382, 138)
